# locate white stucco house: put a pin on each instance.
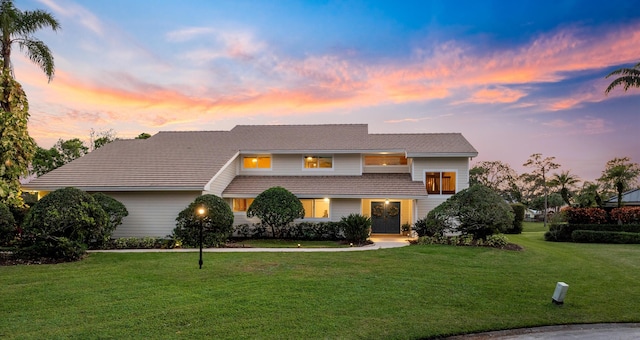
(334, 170)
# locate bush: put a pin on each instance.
(356, 228)
(308, 231)
(585, 215)
(216, 223)
(626, 215)
(8, 228)
(429, 225)
(477, 211)
(559, 233)
(143, 243)
(594, 236)
(62, 224)
(518, 212)
(495, 241)
(276, 207)
(116, 212)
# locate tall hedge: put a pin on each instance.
(518, 212)
(8, 228)
(62, 224)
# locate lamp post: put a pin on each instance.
(201, 212)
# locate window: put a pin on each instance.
(318, 162)
(385, 160)
(440, 183)
(316, 208)
(241, 204)
(256, 162)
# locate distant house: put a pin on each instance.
(629, 199)
(334, 170)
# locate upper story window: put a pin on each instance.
(440, 183)
(256, 162)
(385, 160)
(318, 162)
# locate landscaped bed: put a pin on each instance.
(409, 292)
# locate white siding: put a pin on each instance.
(151, 213)
(223, 179)
(341, 207)
(425, 205)
(292, 165)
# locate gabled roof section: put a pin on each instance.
(188, 160)
(629, 198)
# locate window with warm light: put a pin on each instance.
(385, 160)
(316, 208)
(440, 183)
(256, 162)
(318, 162)
(241, 204)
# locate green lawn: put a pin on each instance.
(410, 292)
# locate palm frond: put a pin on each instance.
(39, 54)
(32, 21)
(630, 77)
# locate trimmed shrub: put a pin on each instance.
(495, 241)
(585, 215)
(518, 212)
(8, 228)
(559, 233)
(356, 228)
(626, 215)
(594, 236)
(276, 207)
(116, 212)
(430, 226)
(142, 243)
(62, 224)
(216, 223)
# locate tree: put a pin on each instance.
(589, 195)
(63, 152)
(566, 182)
(621, 175)
(477, 210)
(276, 207)
(16, 146)
(496, 175)
(216, 223)
(630, 77)
(541, 169)
(102, 138)
(143, 135)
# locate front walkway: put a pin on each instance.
(379, 242)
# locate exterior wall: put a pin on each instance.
(151, 213)
(292, 165)
(341, 207)
(459, 165)
(223, 179)
(423, 206)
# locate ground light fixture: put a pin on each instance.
(559, 293)
(201, 212)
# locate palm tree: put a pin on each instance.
(620, 174)
(566, 182)
(630, 78)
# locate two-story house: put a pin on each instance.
(334, 170)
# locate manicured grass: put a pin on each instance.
(534, 226)
(410, 292)
(274, 243)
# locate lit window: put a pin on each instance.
(318, 162)
(316, 208)
(440, 183)
(385, 160)
(256, 162)
(241, 204)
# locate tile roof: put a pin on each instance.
(367, 185)
(187, 160)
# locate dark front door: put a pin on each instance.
(385, 218)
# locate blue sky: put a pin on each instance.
(515, 77)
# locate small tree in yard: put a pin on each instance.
(477, 211)
(217, 222)
(276, 207)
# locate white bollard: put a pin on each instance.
(559, 293)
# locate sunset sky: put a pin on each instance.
(514, 77)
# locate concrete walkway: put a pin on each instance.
(379, 242)
(600, 331)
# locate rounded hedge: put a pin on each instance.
(8, 229)
(217, 222)
(115, 210)
(68, 219)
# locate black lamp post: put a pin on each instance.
(201, 212)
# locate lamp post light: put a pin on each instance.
(201, 212)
